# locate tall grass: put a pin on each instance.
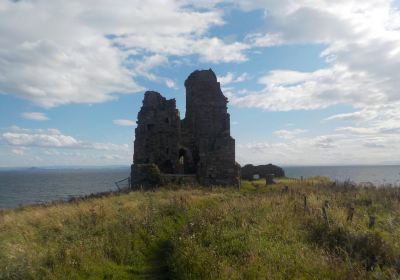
(291, 230)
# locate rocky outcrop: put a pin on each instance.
(200, 144)
(249, 170)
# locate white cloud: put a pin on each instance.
(288, 134)
(231, 78)
(51, 74)
(109, 147)
(373, 129)
(358, 130)
(19, 151)
(362, 52)
(209, 49)
(144, 66)
(83, 52)
(325, 141)
(331, 149)
(35, 116)
(226, 80)
(52, 138)
(50, 147)
(40, 138)
(290, 90)
(363, 115)
(265, 40)
(170, 83)
(123, 122)
(112, 157)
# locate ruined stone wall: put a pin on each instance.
(157, 134)
(200, 144)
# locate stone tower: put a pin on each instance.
(199, 145)
(207, 129)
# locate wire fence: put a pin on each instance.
(123, 184)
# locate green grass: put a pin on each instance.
(259, 232)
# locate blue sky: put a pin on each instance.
(309, 82)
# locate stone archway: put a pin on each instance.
(185, 161)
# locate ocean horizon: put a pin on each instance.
(36, 185)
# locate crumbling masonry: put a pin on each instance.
(199, 145)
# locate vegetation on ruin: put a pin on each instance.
(308, 230)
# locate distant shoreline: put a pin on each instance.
(41, 185)
(63, 167)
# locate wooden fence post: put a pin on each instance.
(372, 220)
(350, 214)
(269, 179)
(325, 215)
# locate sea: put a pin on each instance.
(19, 187)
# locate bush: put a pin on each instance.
(368, 248)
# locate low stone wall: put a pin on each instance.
(189, 180)
(145, 176)
(249, 170)
(148, 176)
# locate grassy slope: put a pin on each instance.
(258, 233)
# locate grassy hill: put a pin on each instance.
(308, 230)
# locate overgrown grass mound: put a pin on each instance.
(293, 230)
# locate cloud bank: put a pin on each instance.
(89, 51)
(52, 138)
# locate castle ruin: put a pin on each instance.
(199, 145)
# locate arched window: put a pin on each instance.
(182, 154)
